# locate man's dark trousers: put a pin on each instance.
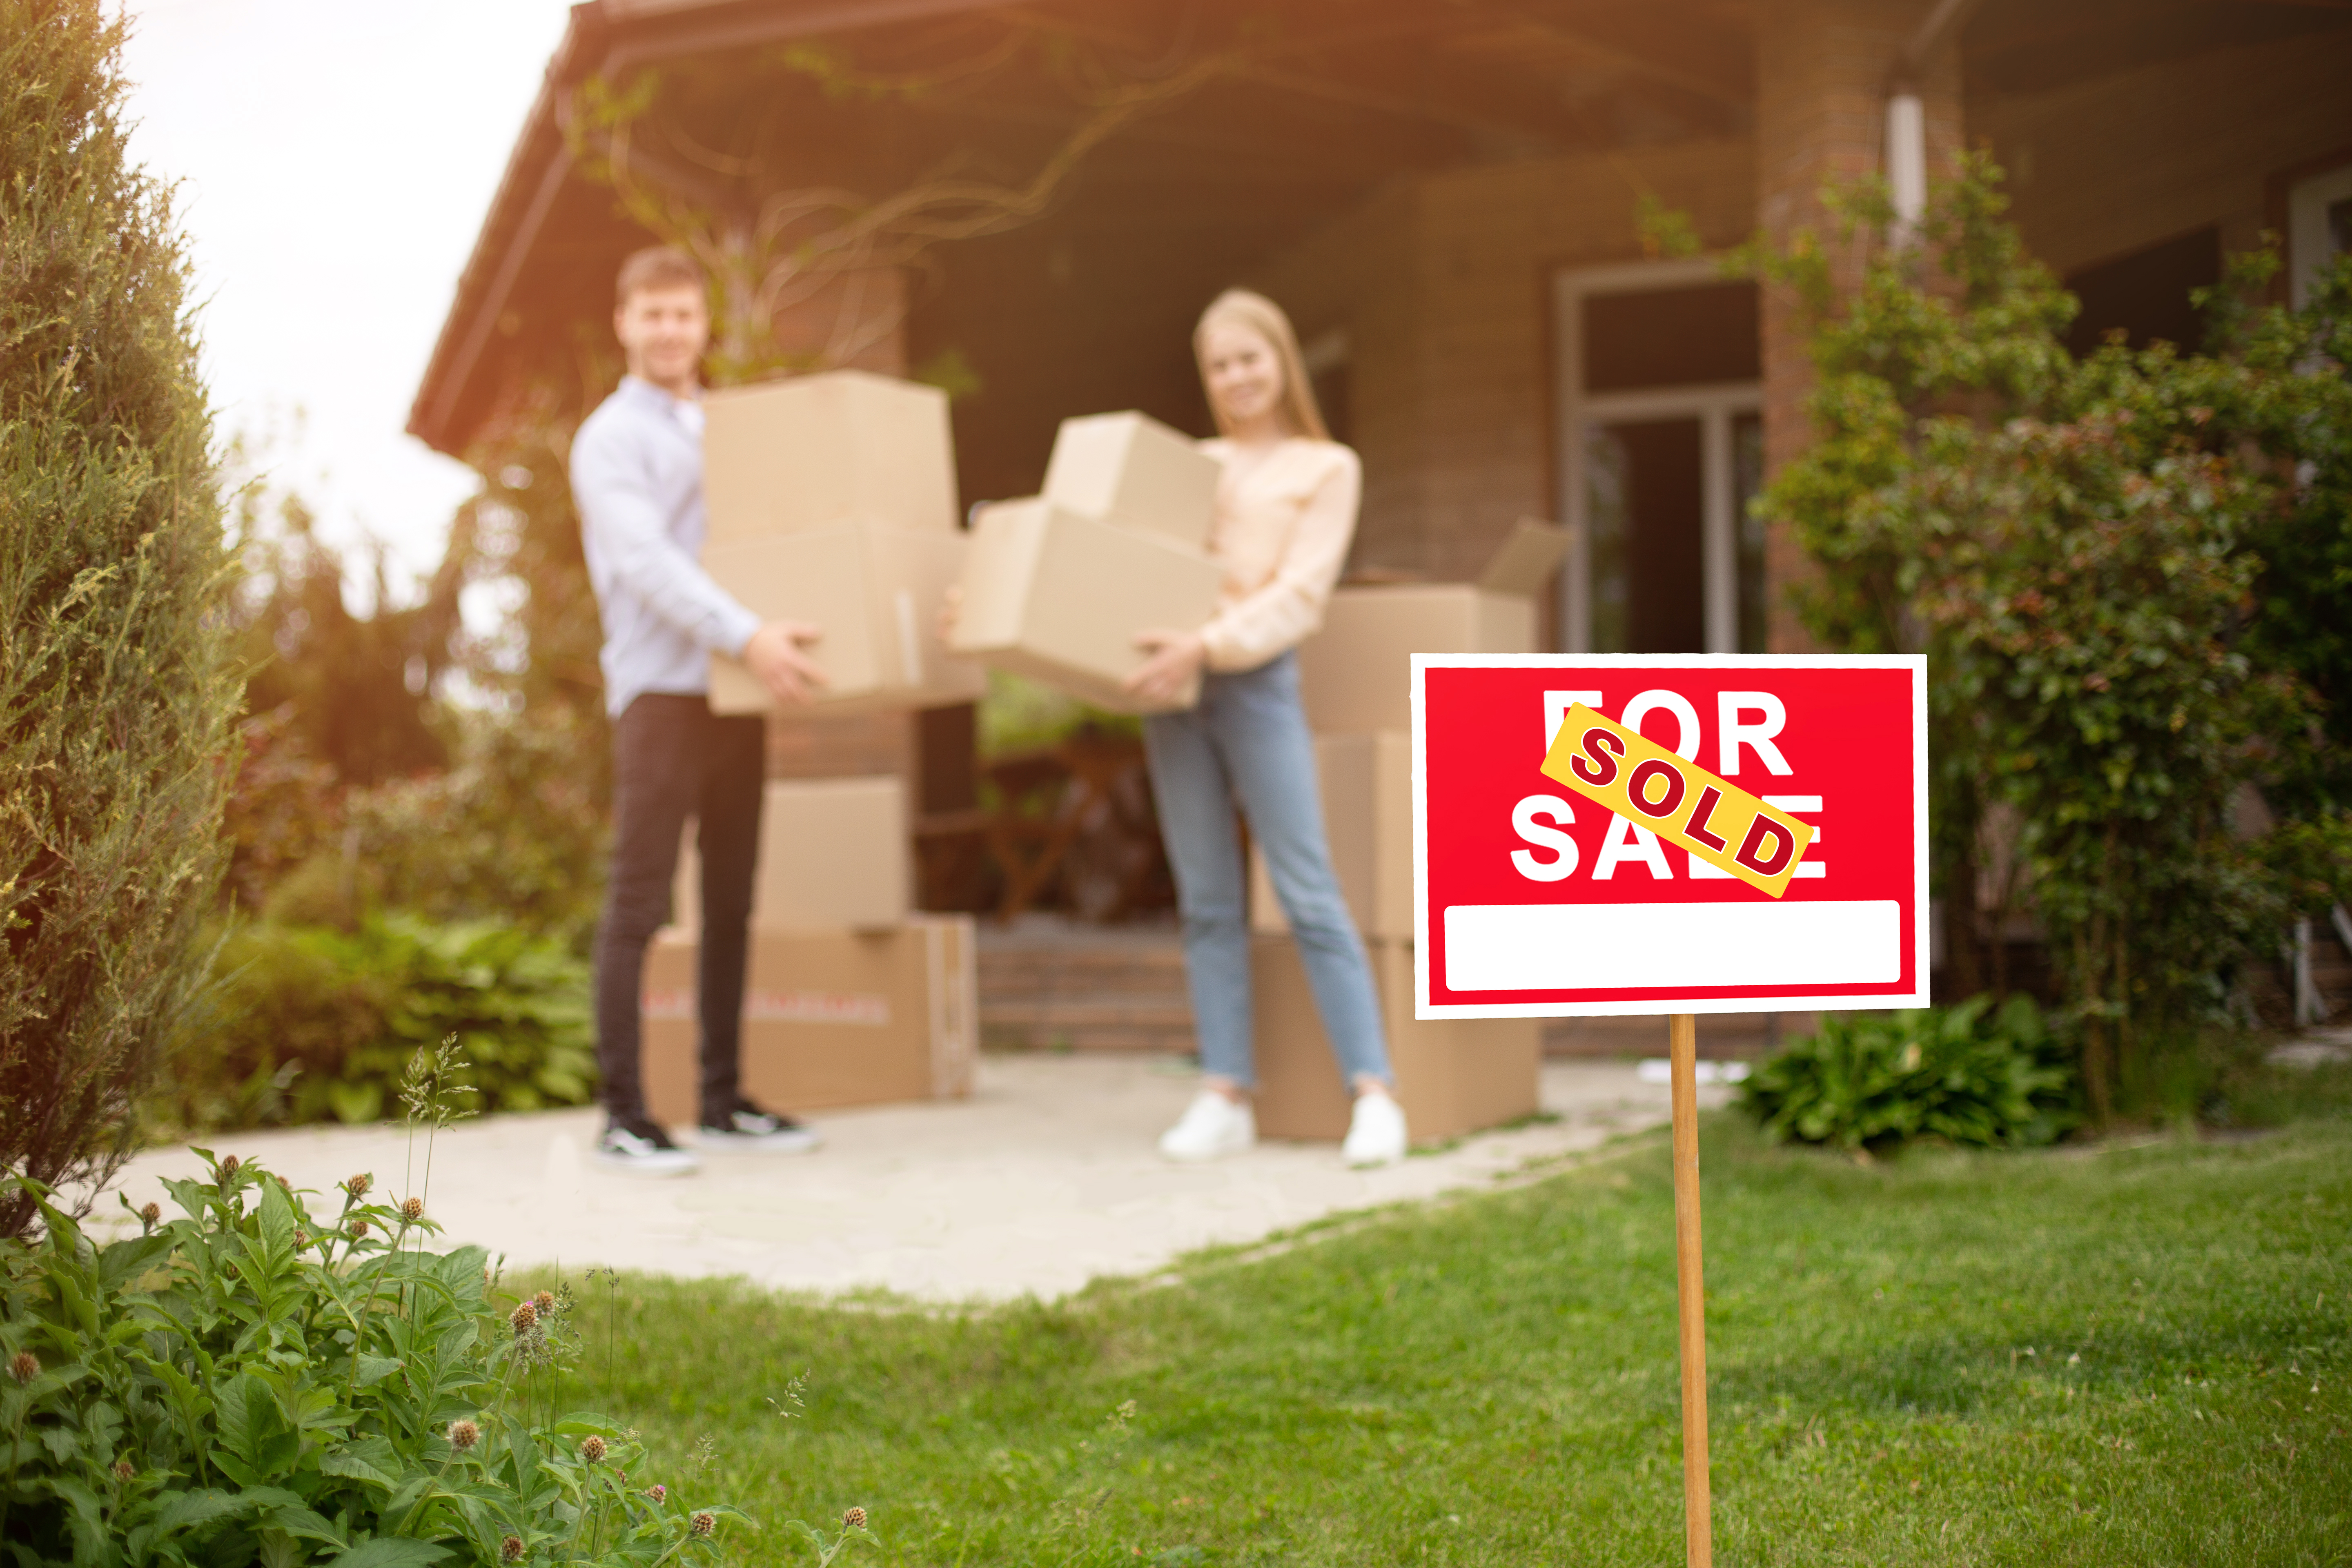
(674, 759)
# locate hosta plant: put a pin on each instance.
(1968, 1075)
(261, 1382)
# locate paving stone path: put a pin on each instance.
(1044, 1179)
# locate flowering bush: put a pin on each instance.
(257, 1383)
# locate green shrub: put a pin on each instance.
(1965, 1074)
(311, 1023)
(117, 684)
(256, 1384)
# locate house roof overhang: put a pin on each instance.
(1356, 70)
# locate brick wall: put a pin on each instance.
(1444, 285)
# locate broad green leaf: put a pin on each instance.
(186, 1509)
(375, 1369)
(276, 1221)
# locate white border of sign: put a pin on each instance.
(1917, 997)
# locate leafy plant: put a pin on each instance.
(256, 1382)
(2080, 547)
(312, 1022)
(117, 687)
(1968, 1075)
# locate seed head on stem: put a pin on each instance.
(25, 1366)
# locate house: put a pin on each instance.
(1445, 194)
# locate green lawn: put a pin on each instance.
(2130, 1355)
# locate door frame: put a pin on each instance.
(1715, 406)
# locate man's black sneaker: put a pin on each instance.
(634, 1144)
(748, 1126)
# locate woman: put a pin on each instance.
(1286, 513)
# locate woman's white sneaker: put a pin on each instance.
(1211, 1128)
(1376, 1133)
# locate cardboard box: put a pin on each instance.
(1058, 597)
(877, 591)
(1452, 1075)
(828, 1019)
(814, 450)
(1130, 469)
(1367, 788)
(1356, 674)
(832, 856)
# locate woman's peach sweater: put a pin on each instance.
(1283, 525)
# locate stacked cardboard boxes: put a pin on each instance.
(1453, 1076)
(832, 501)
(1058, 584)
(849, 997)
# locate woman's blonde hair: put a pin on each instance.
(1256, 312)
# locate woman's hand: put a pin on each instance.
(1175, 659)
(775, 656)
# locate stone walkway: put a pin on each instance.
(1044, 1179)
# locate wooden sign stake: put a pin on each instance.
(1690, 1288)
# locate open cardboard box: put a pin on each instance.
(1356, 674)
(809, 451)
(1367, 789)
(1059, 599)
(876, 589)
(1130, 469)
(829, 1019)
(1453, 1075)
(832, 857)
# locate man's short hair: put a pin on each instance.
(657, 266)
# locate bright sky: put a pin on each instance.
(336, 159)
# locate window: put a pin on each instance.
(2146, 295)
(2318, 227)
(1663, 447)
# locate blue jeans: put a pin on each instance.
(1246, 741)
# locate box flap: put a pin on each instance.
(1528, 555)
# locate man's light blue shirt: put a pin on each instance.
(636, 478)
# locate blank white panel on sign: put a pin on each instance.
(1566, 947)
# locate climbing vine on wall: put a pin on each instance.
(769, 248)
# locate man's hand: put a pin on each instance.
(774, 656)
(1176, 659)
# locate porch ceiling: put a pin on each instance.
(1326, 100)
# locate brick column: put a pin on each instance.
(1822, 69)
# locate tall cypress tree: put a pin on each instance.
(116, 685)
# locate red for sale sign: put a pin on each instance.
(1568, 822)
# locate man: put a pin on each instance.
(636, 476)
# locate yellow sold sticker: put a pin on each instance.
(1679, 801)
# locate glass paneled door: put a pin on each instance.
(1662, 448)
